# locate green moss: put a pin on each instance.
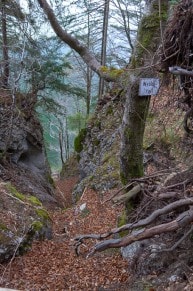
(96, 142)
(112, 72)
(34, 230)
(123, 178)
(106, 157)
(42, 213)
(135, 170)
(110, 110)
(122, 220)
(37, 226)
(78, 141)
(34, 201)
(129, 133)
(78, 157)
(147, 30)
(15, 193)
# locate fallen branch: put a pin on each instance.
(146, 233)
(181, 221)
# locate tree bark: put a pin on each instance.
(136, 107)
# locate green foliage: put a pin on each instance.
(78, 141)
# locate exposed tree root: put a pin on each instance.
(180, 221)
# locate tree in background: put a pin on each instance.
(142, 65)
(10, 11)
(126, 16)
(104, 44)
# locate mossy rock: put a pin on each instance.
(15, 193)
(122, 220)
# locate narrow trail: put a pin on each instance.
(53, 265)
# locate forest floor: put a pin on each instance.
(54, 265)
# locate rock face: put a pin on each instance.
(21, 146)
(24, 176)
(98, 148)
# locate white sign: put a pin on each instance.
(148, 86)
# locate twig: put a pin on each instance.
(178, 242)
(178, 184)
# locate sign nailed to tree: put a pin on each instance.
(148, 86)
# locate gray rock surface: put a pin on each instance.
(99, 159)
(24, 177)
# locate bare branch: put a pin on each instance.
(74, 43)
(178, 242)
(181, 221)
(179, 71)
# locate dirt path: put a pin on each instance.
(53, 265)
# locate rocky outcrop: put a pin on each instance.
(22, 147)
(25, 188)
(97, 148)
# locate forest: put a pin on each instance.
(96, 172)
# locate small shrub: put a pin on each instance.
(78, 141)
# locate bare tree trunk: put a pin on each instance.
(88, 90)
(104, 45)
(5, 76)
